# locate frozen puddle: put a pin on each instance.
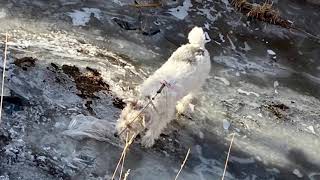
(270, 52)
(181, 12)
(80, 18)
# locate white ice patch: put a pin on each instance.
(246, 47)
(2, 13)
(118, 2)
(275, 85)
(221, 38)
(270, 52)
(207, 25)
(297, 173)
(224, 80)
(247, 92)
(80, 18)
(242, 160)
(311, 129)
(181, 12)
(226, 124)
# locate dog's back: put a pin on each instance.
(186, 69)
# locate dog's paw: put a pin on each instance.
(181, 108)
(147, 141)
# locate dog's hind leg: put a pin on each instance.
(156, 127)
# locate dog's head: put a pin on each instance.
(198, 36)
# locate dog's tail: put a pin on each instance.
(197, 36)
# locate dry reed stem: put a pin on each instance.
(182, 165)
(3, 74)
(226, 164)
(122, 155)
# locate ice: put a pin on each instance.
(297, 173)
(226, 124)
(81, 17)
(38, 144)
(311, 129)
(2, 13)
(247, 93)
(181, 12)
(271, 52)
(224, 80)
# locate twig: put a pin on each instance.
(226, 164)
(183, 163)
(3, 75)
(122, 155)
(146, 5)
(126, 175)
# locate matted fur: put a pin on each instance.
(186, 71)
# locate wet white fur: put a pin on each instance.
(186, 71)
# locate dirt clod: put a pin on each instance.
(88, 82)
(278, 109)
(25, 62)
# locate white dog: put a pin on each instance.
(180, 77)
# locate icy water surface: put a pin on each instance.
(264, 86)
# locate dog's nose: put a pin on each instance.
(116, 134)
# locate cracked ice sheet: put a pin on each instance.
(80, 18)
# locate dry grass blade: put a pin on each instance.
(266, 13)
(226, 164)
(183, 163)
(152, 5)
(123, 158)
(128, 143)
(3, 74)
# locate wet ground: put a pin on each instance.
(264, 86)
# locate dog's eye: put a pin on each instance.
(199, 52)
